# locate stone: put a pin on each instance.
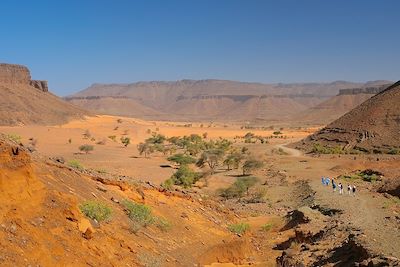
(14, 74)
(40, 85)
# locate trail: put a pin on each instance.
(291, 151)
(364, 211)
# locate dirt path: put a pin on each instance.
(365, 211)
(291, 151)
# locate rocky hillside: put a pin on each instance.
(43, 222)
(26, 101)
(208, 99)
(374, 126)
(336, 106)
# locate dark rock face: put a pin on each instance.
(18, 74)
(41, 85)
(367, 90)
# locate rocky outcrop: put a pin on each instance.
(41, 85)
(18, 74)
(366, 90)
(14, 74)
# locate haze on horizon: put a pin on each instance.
(73, 44)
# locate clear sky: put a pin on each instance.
(73, 44)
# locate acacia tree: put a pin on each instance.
(211, 157)
(145, 148)
(233, 160)
(251, 165)
(86, 148)
(182, 159)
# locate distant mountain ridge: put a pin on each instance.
(208, 99)
(373, 126)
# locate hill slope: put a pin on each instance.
(374, 126)
(209, 99)
(336, 106)
(42, 225)
(25, 101)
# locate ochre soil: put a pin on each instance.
(40, 221)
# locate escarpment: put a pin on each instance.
(13, 74)
(26, 101)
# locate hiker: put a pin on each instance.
(327, 181)
(354, 190)
(349, 189)
(333, 185)
(340, 188)
(323, 180)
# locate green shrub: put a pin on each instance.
(239, 187)
(139, 213)
(73, 163)
(182, 159)
(266, 227)
(96, 210)
(125, 141)
(113, 138)
(239, 228)
(320, 149)
(162, 224)
(184, 176)
(14, 137)
(167, 184)
(251, 165)
(394, 151)
(86, 148)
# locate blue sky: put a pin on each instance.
(73, 44)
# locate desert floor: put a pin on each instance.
(367, 210)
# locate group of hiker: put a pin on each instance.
(351, 189)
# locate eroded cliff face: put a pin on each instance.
(18, 74)
(14, 74)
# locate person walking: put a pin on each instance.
(327, 181)
(340, 189)
(333, 185)
(354, 190)
(349, 189)
(323, 180)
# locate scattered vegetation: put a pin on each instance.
(320, 149)
(113, 138)
(163, 224)
(211, 157)
(96, 210)
(394, 151)
(182, 159)
(251, 165)
(239, 228)
(86, 148)
(266, 227)
(184, 176)
(233, 160)
(367, 175)
(75, 164)
(125, 141)
(14, 137)
(239, 188)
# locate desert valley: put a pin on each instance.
(199, 173)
